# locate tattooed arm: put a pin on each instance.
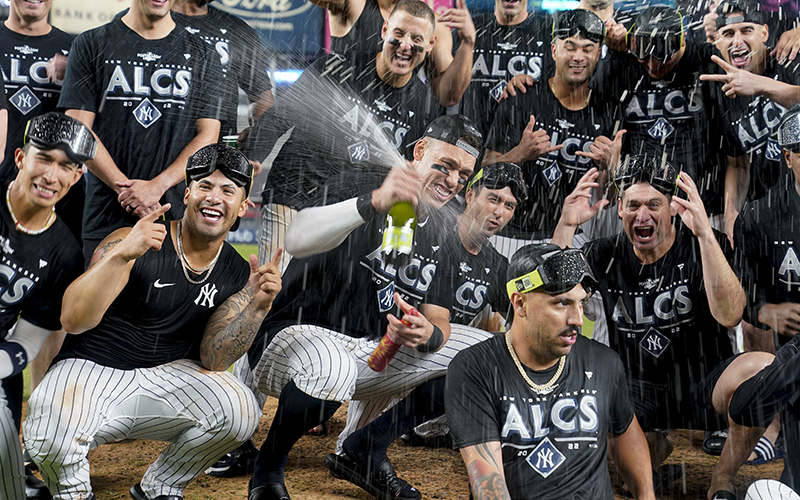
(485, 466)
(88, 298)
(233, 326)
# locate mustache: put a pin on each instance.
(574, 330)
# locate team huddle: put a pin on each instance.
(629, 168)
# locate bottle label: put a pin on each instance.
(398, 238)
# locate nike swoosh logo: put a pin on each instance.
(158, 284)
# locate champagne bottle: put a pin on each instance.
(398, 236)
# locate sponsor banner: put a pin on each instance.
(293, 26)
(77, 16)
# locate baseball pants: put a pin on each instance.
(331, 366)
(80, 405)
(12, 472)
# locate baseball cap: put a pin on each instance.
(548, 266)
(228, 160)
(457, 130)
(656, 33)
(789, 130)
(499, 175)
(648, 168)
(749, 12)
(57, 130)
(569, 23)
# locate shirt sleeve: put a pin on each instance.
(621, 409)
(44, 308)
(469, 401)
(250, 63)
(79, 90)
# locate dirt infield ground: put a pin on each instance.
(437, 473)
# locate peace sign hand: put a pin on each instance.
(736, 81)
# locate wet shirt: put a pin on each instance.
(147, 96)
(241, 54)
(30, 92)
(751, 128)
(365, 34)
(553, 445)
(658, 315)
(502, 52)
(159, 316)
(676, 116)
(766, 236)
(35, 270)
(552, 177)
(350, 289)
(311, 154)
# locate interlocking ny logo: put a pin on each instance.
(654, 342)
(386, 297)
(146, 113)
(206, 297)
(545, 458)
(24, 100)
(661, 129)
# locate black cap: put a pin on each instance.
(570, 22)
(499, 175)
(647, 168)
(228, 160)
(789, 129)
(657, 21)
(56, 130)
(748, 11)
(457, 130)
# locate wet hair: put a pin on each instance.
(416, 8)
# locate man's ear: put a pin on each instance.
(19, 156)
(518, 302)
(419, 149)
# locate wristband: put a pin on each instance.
(433, 343)
(19, 358)
(365, 208)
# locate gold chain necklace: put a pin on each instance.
(19, 227)
(185, 262)
(541, 389)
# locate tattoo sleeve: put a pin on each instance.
(484, 464)
(230, 331)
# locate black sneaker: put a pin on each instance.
(435, 442)
(239, 462)
(382, 482)
(35, 489)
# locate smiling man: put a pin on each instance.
(163, 310)
(669, 295)
(40, 259)
(341, 298)
(554, 131)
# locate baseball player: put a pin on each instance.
(554, 131)
(158, 317)
(152, 94)
(533, 411)
(40, 259)
(668, 320)
(242, 56)
(477, 273)
(341, 297)
(355, 24)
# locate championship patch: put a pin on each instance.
(358, 152)
(497, 90)
(773, 150)
(654, 342)
(552, 173)
(386, 297)
(146, 113)
(24, 100)
(661, 129)
(545, 458)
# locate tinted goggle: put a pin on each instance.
(55, 130)
(789, 132)
(500, 175)
(585, 22)
(561, 271)
(659, 47)
(228, 160)
(643, 168)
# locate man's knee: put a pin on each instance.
(238, 411)
(740, 369)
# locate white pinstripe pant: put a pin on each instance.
(12, 472)
(331, 366)
(80, 405)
